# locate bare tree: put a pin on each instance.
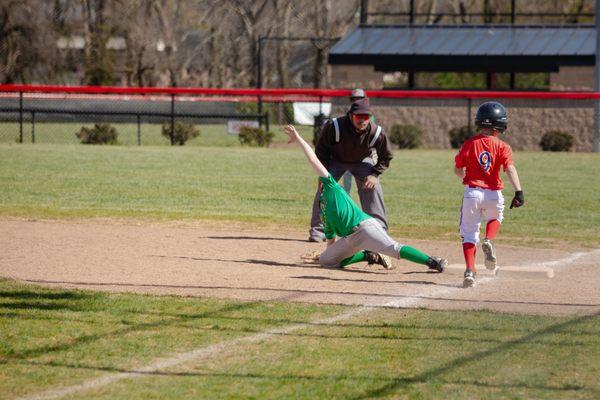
(250, 16)
(98, 61)
(167, 25)
(16, 35)
(283, 29)
(140, 39)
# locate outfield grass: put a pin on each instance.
(276, 186)
(150, 134)
(53, 338)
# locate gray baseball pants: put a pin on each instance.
(371, 200)
(368, 235)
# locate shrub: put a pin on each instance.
(459, 135)
(98, 134)
(255, 136)
(406, 136)
(183, 132)
(556, 141)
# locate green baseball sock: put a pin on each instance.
(358, 257)
(414, 255)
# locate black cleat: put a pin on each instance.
(437, 264)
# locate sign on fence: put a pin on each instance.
(233, 126)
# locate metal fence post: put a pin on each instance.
(320, 106)
(469, 103)
(267, 121)
(33, 127)
(20, 117)
(139, 134)
(172, 119)
(259, 76)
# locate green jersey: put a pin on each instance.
(339, 213)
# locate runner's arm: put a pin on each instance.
(513, 177)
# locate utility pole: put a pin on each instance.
(364, 11)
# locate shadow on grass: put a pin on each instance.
(293, 292)
(85, 339)
(434, 373)
(388, 382)
(24, 294)
(387, 335)
(36, 305)
(42, 300)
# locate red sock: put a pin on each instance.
(492, 228)
(469, 250)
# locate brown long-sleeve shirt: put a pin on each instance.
(352, 146)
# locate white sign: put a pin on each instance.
(305, 112)
(233, 126)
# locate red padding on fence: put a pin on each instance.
(316, 94)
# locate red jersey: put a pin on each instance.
(483, 155)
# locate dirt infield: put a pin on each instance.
(238, 262)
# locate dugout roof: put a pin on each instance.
(474, 48)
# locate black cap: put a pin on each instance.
(360, 106)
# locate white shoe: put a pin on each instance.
(386, 261)
(490, 254)
(469, 280)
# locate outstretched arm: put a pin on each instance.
(513, 177)
(308, 151)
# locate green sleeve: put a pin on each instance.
(329, 234)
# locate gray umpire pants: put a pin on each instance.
(368, 235)
(371, 200)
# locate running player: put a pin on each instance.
(478, 164)
(362, 238)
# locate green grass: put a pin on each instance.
(276, 186)
(150, 134)
(51, 338)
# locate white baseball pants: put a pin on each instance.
(477, 202)
(369, 235)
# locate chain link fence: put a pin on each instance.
(42, 114)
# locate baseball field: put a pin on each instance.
(176, 272)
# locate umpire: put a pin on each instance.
(356, 144)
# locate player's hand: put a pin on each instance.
(518, 200)
(370, 182)
(291, 132)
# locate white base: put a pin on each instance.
(508, 271)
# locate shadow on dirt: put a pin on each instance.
(253, 238)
